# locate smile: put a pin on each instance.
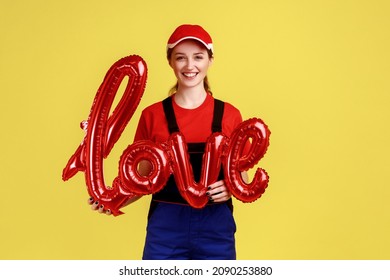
(190, 75)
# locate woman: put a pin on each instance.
(176, 230)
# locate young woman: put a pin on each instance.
(176, 230)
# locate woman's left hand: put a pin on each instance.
(217, 192)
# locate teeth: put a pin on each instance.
(189, 75)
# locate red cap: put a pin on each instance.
(188, 31)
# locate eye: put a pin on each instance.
(180, 58)
(199, 57)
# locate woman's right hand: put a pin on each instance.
(100, 208)
(96, 207)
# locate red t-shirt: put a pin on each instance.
(194, 124)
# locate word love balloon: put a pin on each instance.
(166, 158)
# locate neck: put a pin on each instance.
(190, 98)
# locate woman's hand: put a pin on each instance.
(96, 207)
(100, 208)
(217, 192)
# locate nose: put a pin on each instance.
(190, 63)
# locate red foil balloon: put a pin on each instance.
(128, 168)
(236, 161)
(194, 193)
(212, 158)
(103, 131)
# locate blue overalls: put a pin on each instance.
(178, 231)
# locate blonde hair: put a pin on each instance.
(206, 83)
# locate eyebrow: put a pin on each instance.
(179, 53)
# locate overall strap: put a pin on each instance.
(170, 115)
(218, 114)
(171, 118)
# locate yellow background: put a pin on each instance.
(317, 72)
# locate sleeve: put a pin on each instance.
(142, 131)
(231, 119)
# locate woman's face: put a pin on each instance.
(190, 62)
